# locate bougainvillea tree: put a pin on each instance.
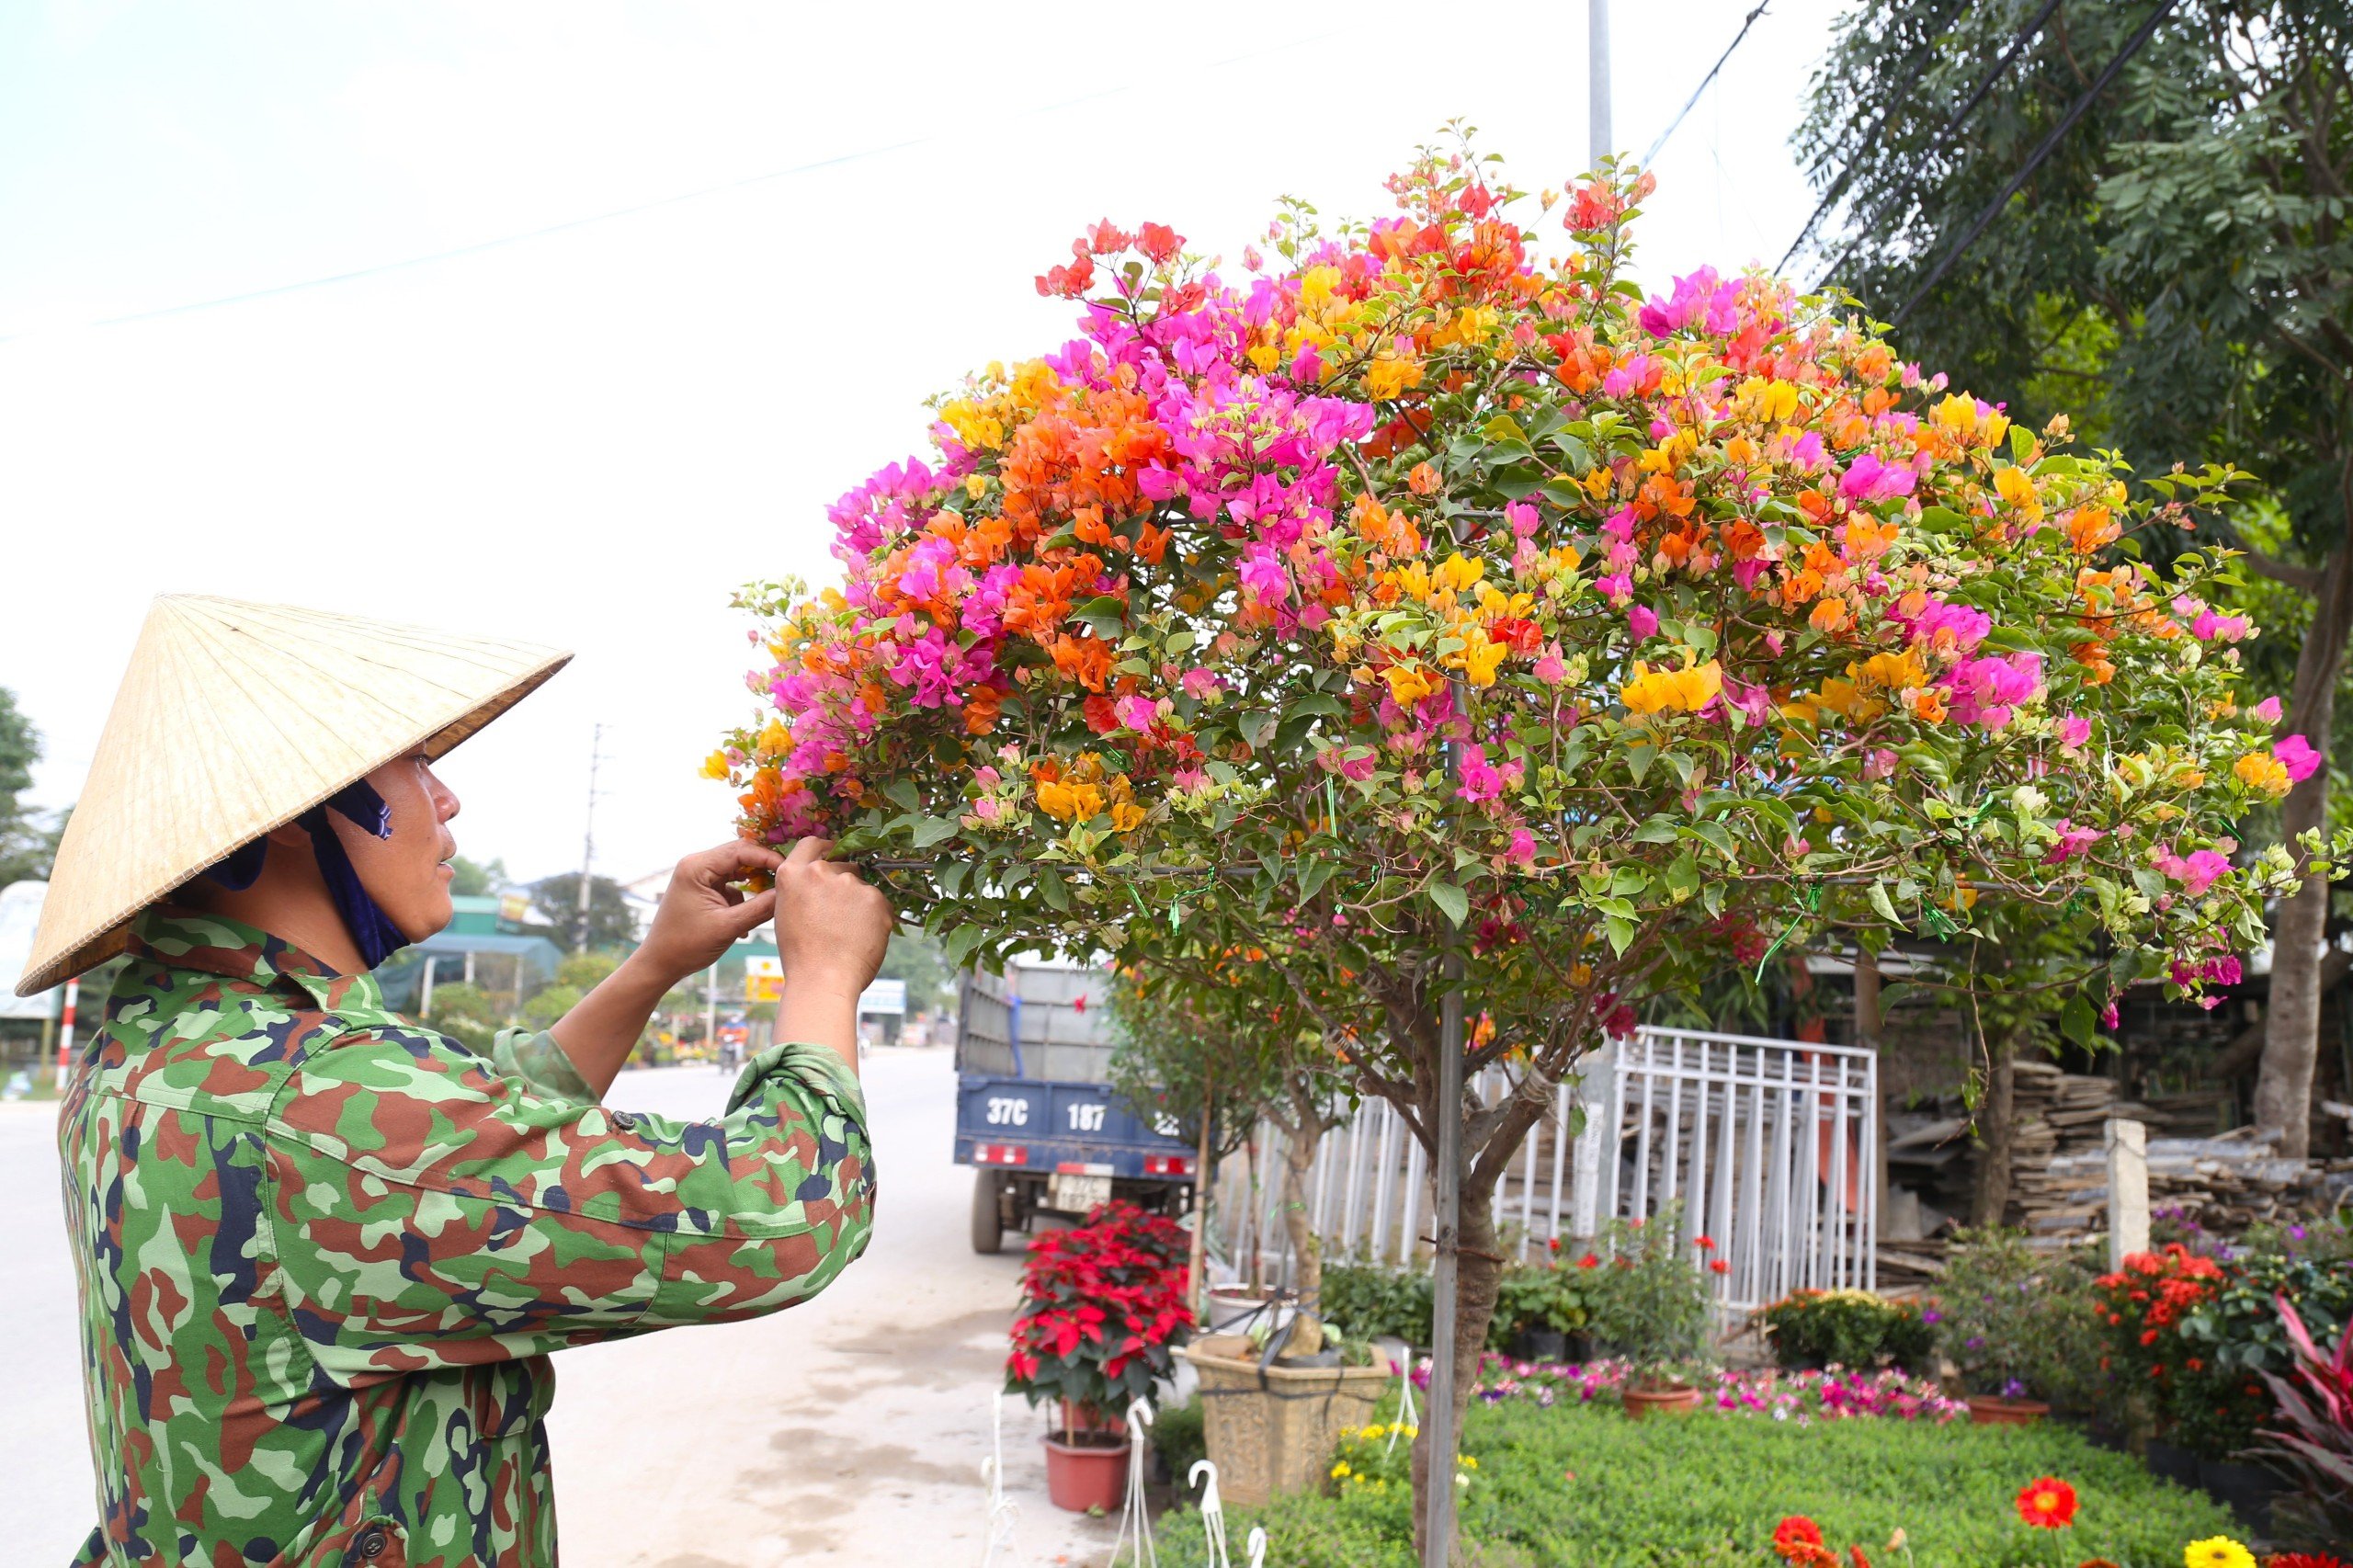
(1733, 622)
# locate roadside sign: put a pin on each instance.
(884, 996)
(763, 979)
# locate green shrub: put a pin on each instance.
(1179, 1438)
(2022, 1324)
(1847, 1328)
(1373, 1302)
(1648, 1300)
(1577, 1487)
(1537, 1296)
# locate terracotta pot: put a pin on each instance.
(1679, 1399)
(1985, 1410)
(1083, 1474)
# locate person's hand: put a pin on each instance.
(702, 914)
(832, 928)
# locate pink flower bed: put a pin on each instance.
(1837, 1394)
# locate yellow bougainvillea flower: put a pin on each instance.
(1460, 572)
(715, 766)
(1409, 683)
(2016, 487)
(2261, 770)
(1480, 659)
(1687, 691)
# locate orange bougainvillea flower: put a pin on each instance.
(2049, 1502)
(1423, 481)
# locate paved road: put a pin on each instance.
(850, 1430)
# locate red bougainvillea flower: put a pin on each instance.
(2049, 1502)
(1718, 1266)
(1797, 1538)
(1705, 1243)
(2304, 1560)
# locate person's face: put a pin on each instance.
(408, 873)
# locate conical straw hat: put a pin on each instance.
(236, 717)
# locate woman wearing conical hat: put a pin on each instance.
(323, 1253)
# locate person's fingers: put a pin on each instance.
(809, 849)
(752, 912)
(732, 859)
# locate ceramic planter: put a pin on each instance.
(1275, 1434)
(1679, 1399)
(1090, 1472)
(1985, 1410)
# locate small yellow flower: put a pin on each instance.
(2217, 1551)
(715, 766)
(2261, 770)
(1341, 1471)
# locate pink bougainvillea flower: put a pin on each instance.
(2073, 732)
(1523, 847)
(2073, 841)
(1869, 479)
(2296, 754)
(2267, 710)
(1138, 713)
(1643, 622)
(1481, 780)
(2196, 872)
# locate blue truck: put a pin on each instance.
(1035, 1115)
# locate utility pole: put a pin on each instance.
(1598, 135)
(588, 838)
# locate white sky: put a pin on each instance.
(590, 436)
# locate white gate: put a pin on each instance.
(1771, 1144)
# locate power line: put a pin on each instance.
(457, 251)
(1909, 68)
(2034, 161)
(1954, 122)
(1702, 87)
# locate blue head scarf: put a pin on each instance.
(376, 936)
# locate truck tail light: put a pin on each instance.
(1000, 1155)
(1168, 1164)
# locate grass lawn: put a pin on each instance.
(1583, 1485)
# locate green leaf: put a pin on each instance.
(961, 943)
(1106, 613)
(1452, 901)
(929, 830)
(1659, 829)
(2076, 1019)
(1622, 932)
(1883, 904)
(903, 791)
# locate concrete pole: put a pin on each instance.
(1437, 1422)
(2128, 1189)
(711, 1010)
(425, 997)
(1198, 1260)
(588, 838)
(1597, 77)
(1596, 1143)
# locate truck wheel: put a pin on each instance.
(988, 1219)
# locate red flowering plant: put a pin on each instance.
(1103, 1307)
(1434, 614)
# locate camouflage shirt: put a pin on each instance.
(322, 1253)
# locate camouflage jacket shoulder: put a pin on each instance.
(323, 1253)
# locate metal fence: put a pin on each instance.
(1770, 1144)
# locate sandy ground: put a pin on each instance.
(850, 1430)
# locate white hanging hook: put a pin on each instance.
(1135, 1514)
(1003, 1511)
(1258, 1547)
(1212, 1515)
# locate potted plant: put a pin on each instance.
(1649, 1306)
(1273, 1411)
(1539, 1309)
(2019, 1325)
(1812, 1330)
(1103, 1307)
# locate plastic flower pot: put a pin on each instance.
(1089, 1471)
(1539, 1345)
(1986, 1410)
(1078, 1418)
(1233, 1307)
(1271, 1431)
(1678, 1399)
(2247, 1489)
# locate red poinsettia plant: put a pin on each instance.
(1103, 1309)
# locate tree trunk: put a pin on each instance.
(1994, 1124)
(1479, 1273)
(1306, 1248)
(2283, 1090)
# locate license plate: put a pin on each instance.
(1077, 1194)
